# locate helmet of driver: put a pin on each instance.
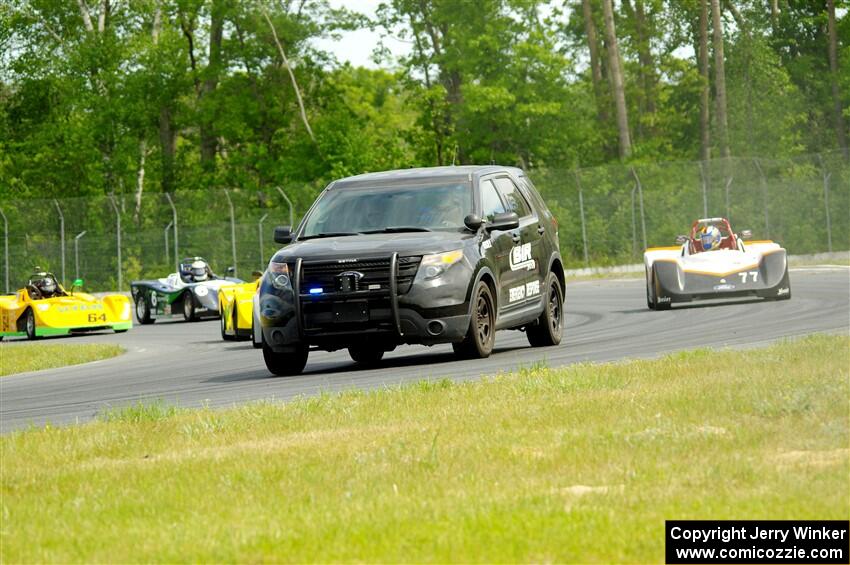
(199, 271)
(46, 285)
(710, 238)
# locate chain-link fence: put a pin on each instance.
(606, 215)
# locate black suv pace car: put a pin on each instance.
(427, 256)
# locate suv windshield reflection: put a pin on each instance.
(402, 208)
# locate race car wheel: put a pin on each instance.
(29, 324)
(188, 307)
(481, 335)
(285, 364)
(224, 334)
(655, 288)
(547, 331)
(650, 301)
(143, 310)
(365, 354)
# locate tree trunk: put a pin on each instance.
(291, 77)
(140, 180)
(705, 96)
(595, 68)
(166, 143)
(840, 127)
(209, 143)
(720, 80)
(616, 79)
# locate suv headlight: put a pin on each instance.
(433, 266)
(279, 275)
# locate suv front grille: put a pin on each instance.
(373, 275)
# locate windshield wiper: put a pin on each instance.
(327, 234)
(397, 229)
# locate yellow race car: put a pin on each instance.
(43, 308)
(237, 309)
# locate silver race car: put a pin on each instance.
(715, 262)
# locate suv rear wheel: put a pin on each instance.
(481, 335)
(547, 330)
(285, 364)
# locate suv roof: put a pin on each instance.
(403, 176)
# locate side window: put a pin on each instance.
(513, 197)
(491, 204)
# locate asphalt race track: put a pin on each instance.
(607, 320)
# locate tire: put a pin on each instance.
(29, 324)
(650, 303)
(188, 307)
(285, 364)
(655, 304)
(547, 331)
(143, 310)
(481, 335)
(224, 334)
(366, 355)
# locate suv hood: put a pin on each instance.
(371, 245)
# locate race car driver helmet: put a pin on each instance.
(46, 286)
(199, 270)
(710, 237)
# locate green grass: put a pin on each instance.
(577, 464)
(35, 357)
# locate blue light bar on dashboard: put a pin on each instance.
(316, 290)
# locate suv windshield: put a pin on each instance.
(400, 208)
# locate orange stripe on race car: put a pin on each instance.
(712, 274)
(758, 241)
(677, 248)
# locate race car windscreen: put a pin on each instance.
(408, 207)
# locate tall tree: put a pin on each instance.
(838, 116)
(615, 75)
(720, 80)
(705, 86)
(595, 63)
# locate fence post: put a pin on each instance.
(640, 197)
(260, 233)
(634, 223)
(77, 253)
(826, 177)
(61, 235)
(165, 232)
(6, 247)
(581, 212)
(117, 238)
(174, 221)
(291, 211)
(232, 231)
(763, 182)
(704, 189)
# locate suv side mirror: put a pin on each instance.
(681, 239)
(473, 222)
(283, 234)
(230, 270)
(746, 234)
(504, 222)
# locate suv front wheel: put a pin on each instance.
(481, 335)
(285, 364)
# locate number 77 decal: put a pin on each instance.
(753, 274)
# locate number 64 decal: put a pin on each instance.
(753, 274)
